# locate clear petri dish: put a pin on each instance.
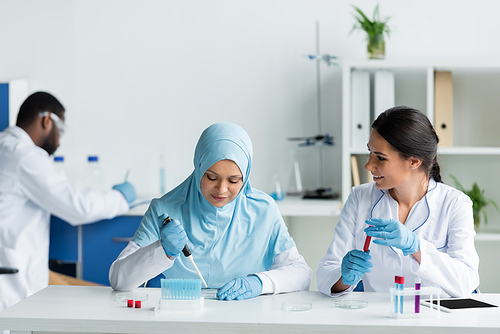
(349, 304)
(209, 293)
(124, 296)
(296, 306)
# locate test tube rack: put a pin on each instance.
(407, 309)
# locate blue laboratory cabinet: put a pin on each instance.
(101, 242)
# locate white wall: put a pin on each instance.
(140, 78)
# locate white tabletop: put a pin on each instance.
(93, 309)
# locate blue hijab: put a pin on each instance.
(235, 240)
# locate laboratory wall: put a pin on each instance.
(142, 79)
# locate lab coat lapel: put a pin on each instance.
(383, 206)
(420, 213)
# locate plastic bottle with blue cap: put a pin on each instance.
(59, 165)
(93, 178)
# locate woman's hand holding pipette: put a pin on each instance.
(173, 237)
(392, 233)
(354, 265)
(241, 288)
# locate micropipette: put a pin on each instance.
(187, 253)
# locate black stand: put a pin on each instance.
(320, 193)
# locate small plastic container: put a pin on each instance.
(404, 302)
(128, 299)
(209, 293)
(296, 306)
(349, 304)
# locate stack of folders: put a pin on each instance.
(384, 92)
(361, 103)
(443, 107)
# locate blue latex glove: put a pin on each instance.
(127, 190)
(394, 234)
(354, 265)
(173, 237)
(241, 288)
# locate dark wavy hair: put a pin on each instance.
(411, 134)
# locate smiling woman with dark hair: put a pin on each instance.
(421, 227)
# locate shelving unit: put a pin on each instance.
(414, 85)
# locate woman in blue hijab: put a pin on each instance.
(236, 233)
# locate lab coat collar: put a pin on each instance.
(384, 206)
(23, 139)
(19, 133)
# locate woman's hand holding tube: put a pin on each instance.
(241, 288)
(392, 233)
(354, 265)
(173, 237)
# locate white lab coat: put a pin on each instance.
(30, 191)
(443, 221)
(288, 273)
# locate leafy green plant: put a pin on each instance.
(375, 29)
(479, 201)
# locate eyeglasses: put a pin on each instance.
(57, 121)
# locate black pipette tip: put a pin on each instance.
(14, 270)
(186, 251)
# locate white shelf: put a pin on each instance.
(373, 64)
(469, 150)
(295, 206)
(449, 150)
(289, 207)
(139, 210)
(487, 237)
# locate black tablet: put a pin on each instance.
(460, 304)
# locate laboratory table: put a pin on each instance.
(75, 309)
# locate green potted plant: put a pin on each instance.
(375, 30)
(479, 201)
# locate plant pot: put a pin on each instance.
(376, 47)
(477, 222)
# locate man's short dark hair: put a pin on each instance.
(36, 103)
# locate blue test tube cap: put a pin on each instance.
(59, 159)
(93, 158)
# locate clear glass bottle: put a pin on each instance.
(93, 178)
(276, 192)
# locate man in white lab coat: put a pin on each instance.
(31, 190)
